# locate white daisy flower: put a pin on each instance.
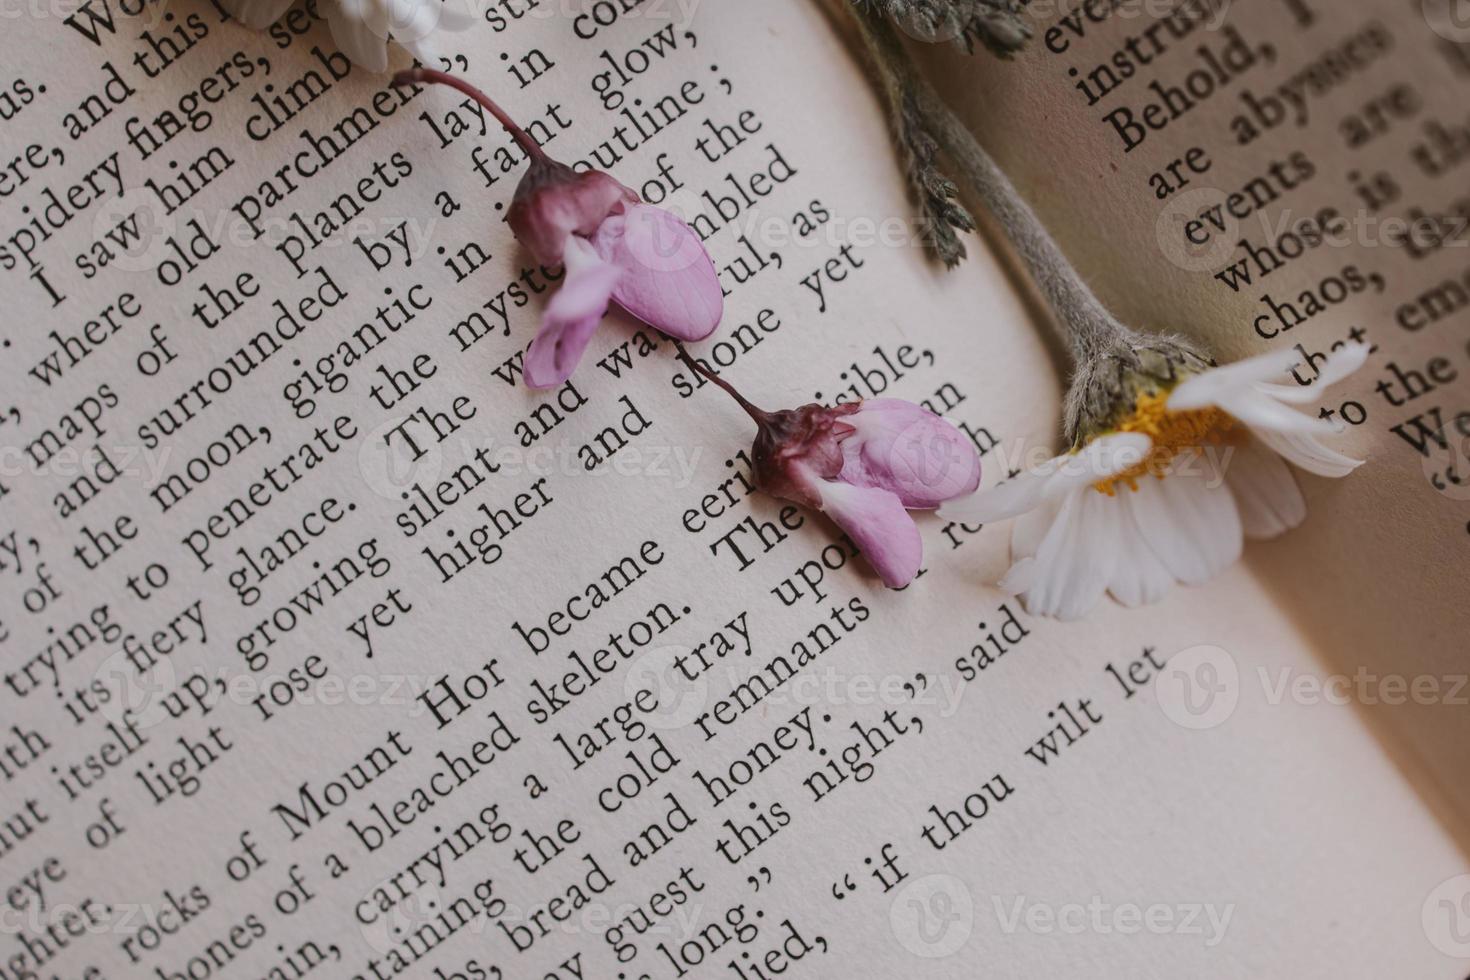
(1171, 492)
(362, 29)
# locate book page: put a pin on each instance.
(331, 650)
(1261, 175)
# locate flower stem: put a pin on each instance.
(417, 76)
(759, 415)
(1088, 327)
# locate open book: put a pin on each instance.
(328, 649)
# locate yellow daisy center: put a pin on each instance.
(1172, 433)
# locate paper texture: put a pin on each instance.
(1313, 124)
(558, 698)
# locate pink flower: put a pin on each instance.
(865, 465)
(613, 247)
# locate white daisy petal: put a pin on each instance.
(1264, 412)
(1139, 577)
(1075, 560)
(1020, 579)
(1306, 453)
(1101, 459)
(1186, 523)
(425, 50)
(1222, 537)
(1017, 495)
(420, 49)
(1031, 527)
(1027, 534)
(368, 49)
(1292, 394)
(363, 28)
(1340, 364)
(411, 19)
(454, 20)
(1191, 523)
(1266, 494)
(1048, 561)
(1206, 387)
(1098, 552)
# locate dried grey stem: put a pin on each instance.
(1001, 26)
(1106, 387)
(1112, 362)
(942, 213)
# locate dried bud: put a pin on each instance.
(1108, 383)
(553, 202)
(613, 247)
(865, 465)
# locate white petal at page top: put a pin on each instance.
(1169, 495)
(361, 29)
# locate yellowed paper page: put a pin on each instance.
(1288, 174)
(330, 650)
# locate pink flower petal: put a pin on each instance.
(553, 204)
(907, 449)
(669, 281)
(571, 316)
(876, 520)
